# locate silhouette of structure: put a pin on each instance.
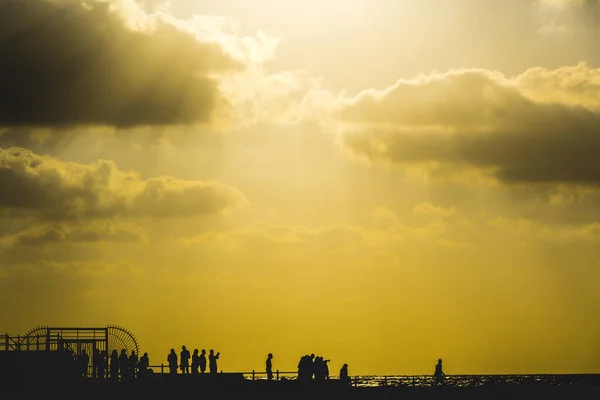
(106, 339)
(62, 353)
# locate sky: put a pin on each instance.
(383, 183)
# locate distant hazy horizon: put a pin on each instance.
(382, 183)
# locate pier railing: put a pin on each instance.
(254, 375)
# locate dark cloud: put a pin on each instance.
(476, 119)
(42, 186)
(73, 62)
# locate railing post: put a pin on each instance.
(252, 374)
(385, 381)
(162, 367)
(6, 342)
(277, 375)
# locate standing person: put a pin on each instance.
(133, 365)
(344, 377)
(439, 376)
(185, 360)
(144, 365)
(103, 364)
(96, 364)
(114, 365)
(212, 361)
(195, 362)
(172, 361)
(124, 365)
(202, 361)
(269, 365)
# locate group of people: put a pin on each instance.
(316, 366)
(198, 361)
(126, 367)
(116, 367)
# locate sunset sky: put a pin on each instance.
(380, 182)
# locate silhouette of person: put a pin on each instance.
(96, 364)
(195, 363)
(302, 368)
(344, 377)
(305, 368)
(144, 364)
(114, 365)
(172, 361)
(212, 361)
(319, 368)
(103, 364)
(202, 361)
(83, 360)
(326, 369)
(133, 365)
(124, 365)
(439, 375)
(185, 360)
(269, 365)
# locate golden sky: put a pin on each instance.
(381, 182)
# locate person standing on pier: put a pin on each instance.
(185, 361)
(133, 365)
(212, 361)
(104, 364)
(124, 365)
(270, 367)
(195, 362)
(172, 361)
(144, 365)
(344, 377)
(202, 361)
(96, 364)
(114, 365)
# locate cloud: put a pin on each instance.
(430, 209)
(528, 230)
(43, 186)
(104, 62)
(542, 126)
(95, 232)
(336, 237)
(563, 3)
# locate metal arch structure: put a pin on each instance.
(107, 339)
(120, 338)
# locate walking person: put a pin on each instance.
(269, 365)
(439, 376)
